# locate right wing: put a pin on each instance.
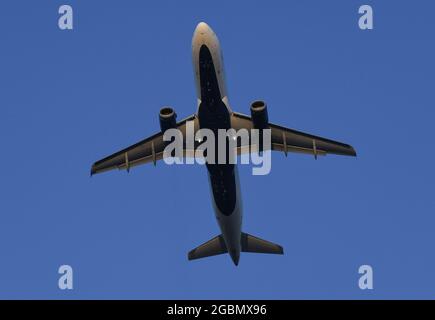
(290, 140)
(145, 151)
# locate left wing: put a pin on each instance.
(285, 139)
(145, 151)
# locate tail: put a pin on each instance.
(248, 243)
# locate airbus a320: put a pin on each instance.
(214, 112)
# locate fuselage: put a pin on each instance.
(214, 113)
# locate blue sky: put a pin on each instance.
(69, 98)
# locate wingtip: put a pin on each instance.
(190, 255)
(354, 154)
(93, 171)
(350, 151)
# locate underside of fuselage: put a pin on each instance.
(213, 114)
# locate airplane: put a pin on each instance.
(214, 112)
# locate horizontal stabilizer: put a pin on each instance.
(212, 247)
(253, 244)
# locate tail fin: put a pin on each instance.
(253, 244)
(212, 247)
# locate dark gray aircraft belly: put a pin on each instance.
(213, 114)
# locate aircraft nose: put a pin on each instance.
(202, 29)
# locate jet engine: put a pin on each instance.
(260, 119)
(167, 117)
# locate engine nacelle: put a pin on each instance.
(260, 119)
(168, 119)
